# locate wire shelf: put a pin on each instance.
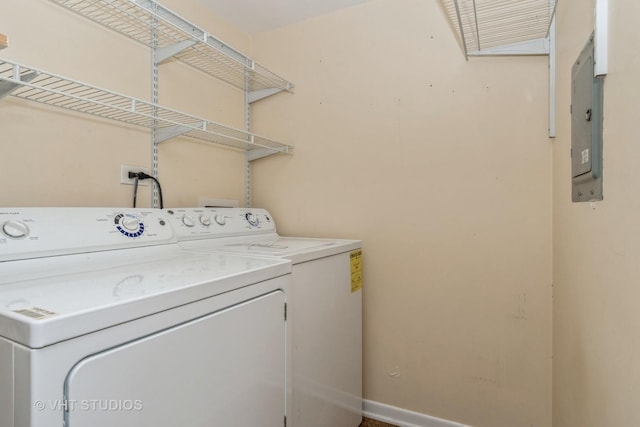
(140, 20)
(40, 86)
(486, 24)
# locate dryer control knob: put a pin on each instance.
(188, 221)
(252, 219)
(205, 220)
(15, 229)
(220, 219)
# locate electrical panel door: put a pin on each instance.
(586, 128)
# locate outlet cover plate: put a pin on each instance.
(124, 175)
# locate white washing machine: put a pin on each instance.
(325, 305)
(105, 321)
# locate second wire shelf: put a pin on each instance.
(40, 86)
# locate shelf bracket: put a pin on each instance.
(461, 27)
(198, 34)
(257, 95)
(7, 87)
(166, 133)
(166, 52)
(158, 10)
(259, 153)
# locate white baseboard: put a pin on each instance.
(402, 417)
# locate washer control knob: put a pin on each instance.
(220, 219)
(15, 229)
(205, 220)
(188, 221)
(252, 219)
(130, 223)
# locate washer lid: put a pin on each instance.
(47, 300)
(297, 249)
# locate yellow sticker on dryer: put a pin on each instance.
(356, 270)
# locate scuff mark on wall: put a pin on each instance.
(395, 372)
(521, 307)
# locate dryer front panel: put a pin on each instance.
(223, 369)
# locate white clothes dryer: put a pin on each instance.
(105, 321)
(325, 305)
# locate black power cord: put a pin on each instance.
(135, 188)
(142, 176)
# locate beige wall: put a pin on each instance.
(596, 249)
(51, 158)
(443, 168)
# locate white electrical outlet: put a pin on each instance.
(124, 174)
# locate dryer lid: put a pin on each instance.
(297, 249)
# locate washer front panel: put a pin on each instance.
(226, 369)
(40, 374)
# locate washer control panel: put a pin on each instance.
(208, 223)
(37, 232)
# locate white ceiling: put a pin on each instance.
(261, 15)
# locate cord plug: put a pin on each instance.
(139, 175)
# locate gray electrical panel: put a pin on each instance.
(586, 128)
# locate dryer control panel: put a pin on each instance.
(37, 232)
(209, 223)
